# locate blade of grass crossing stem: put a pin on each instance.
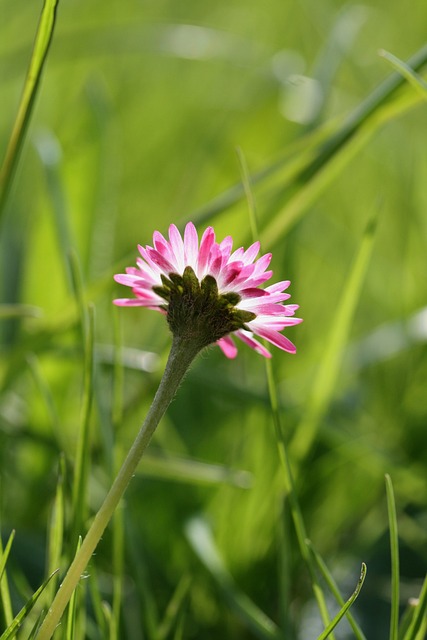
(356, 129)
(56, 529)
(407, 72)
(72, 608)
(201, 539)
(4, 584)
(310, 187)
(14, 627)
(87, 315)
(38, 58)
(327, 632)
(419, 619)
(292, 496)
(35, 629)
(333, 588)
(284, 170)
(327, 373)
(322, 145)
(394, 552)
(4, 553)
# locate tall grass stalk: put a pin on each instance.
(39, 54)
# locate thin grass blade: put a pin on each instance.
(14, 627)
(4, 554)
(56, 529)
(38, 58)
(333, 588)
(87, 315)
(174, 608)
(291, 495)
(72, 608)
(118, 572)
(45, 392)
(344, 609)
(201, 540)
(336, 151)
(328, 370)
(394, 552)
(34, 631)
(419, 618)
(4, 585)
(101, 609)
(407, 72)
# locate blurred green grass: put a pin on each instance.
(140, 110)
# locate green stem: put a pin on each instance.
(181, 355)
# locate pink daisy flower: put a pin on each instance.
(209, 292)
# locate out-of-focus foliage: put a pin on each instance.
(140, 110)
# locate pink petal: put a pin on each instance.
(132, 302)
(225, 246)
(206, 244)
(191, 245)
(262, 263)
(278, 287)
(251, 253)
(254, 344)
(228, 347)
(277, 339)
(177, 247)
(160, 261)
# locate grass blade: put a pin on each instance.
(174, 608)
(333, 588)
(344, 609)
(118, 572)
(14, 627)
(330, 157)
(56, 529)
(290, 492)
(4, 585)
(4, 554)
(201, 540)
(419, 618)
(72, 608)
(407, 72)
(292, 496)
(87, 316)
(394, 549)
(38, 58)
(327, 374)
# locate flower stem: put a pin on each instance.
(182, 353)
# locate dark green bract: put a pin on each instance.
(198, 311)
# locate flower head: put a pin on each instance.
(209, 292)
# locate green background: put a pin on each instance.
(140, 111)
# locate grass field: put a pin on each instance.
(150, 113)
